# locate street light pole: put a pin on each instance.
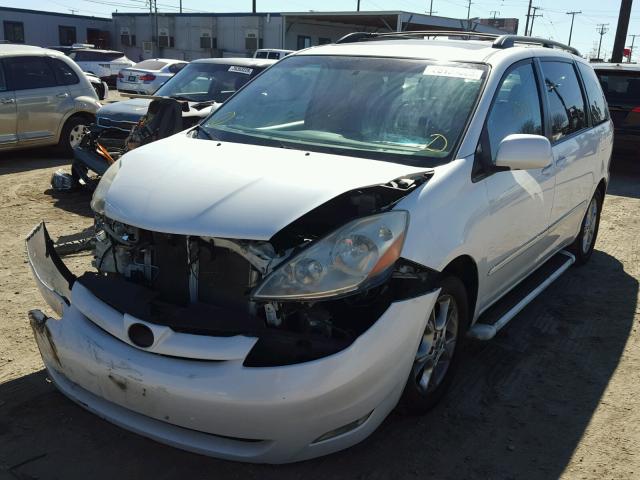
(431, 8)
(573, 16)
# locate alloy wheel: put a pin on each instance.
(76, 134)
(437, 345)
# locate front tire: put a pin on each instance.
(438, 353)
(585, 242)
(72, 133)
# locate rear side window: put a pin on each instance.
(176, 67)
(274, 55)
(597, 104)
(64, 74)
(150, 65)
(30, 72)
(516, 108)
(620, 87)
(566, 103)
(261, 55)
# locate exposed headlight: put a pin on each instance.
(97, 201)
(354, 256)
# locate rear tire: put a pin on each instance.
(585, 242)
(438, 354)
(72, 132)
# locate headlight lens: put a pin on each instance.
(350, 258)
(97, 201)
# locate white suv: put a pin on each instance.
(272, 283)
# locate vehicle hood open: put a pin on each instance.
(188, 186)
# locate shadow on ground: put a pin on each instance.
(32, 159)
(517, 410)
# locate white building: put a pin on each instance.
(195, 35)
(44, 29)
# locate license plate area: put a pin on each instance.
(132, 78)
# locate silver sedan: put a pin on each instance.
(149, 75)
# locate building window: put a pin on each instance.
(165, 41)
(206, 41)
(303, 41)
(66, 35)
(14, 32)
(323, 41)
(251, 41)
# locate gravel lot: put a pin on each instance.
(556, 394)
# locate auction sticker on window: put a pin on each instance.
(245, 70)
(454, 72)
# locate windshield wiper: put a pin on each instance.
(180, 97)
(200, 129)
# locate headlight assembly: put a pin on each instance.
(353, 257)
(99, 195)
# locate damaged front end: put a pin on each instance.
(307, 293)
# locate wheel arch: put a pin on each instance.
(602, 187)
(464, 267)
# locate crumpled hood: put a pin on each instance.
(190, 186)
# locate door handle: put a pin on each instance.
(62, 95)
(7, 100)
(561, 161)
(547, 170)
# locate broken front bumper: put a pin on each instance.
(217, 406)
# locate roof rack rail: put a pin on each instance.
(499, 41)
(366, 36)
(508, 41)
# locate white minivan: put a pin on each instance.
(271, 283)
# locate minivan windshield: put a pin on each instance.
(403, 110)
(202, 81)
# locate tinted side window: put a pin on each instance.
(30, 72)
(566, 104)
(516, 108)
(597, 104)
(64, 74)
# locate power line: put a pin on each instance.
(573, 16)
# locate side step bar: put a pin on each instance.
(496, 317)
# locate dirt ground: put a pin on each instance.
(555, 395)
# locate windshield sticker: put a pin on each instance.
(454, 72)
(245, 70)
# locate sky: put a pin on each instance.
(554, 22)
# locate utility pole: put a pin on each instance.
(533, 17)
(180, 6)
(602, 28)
(573, 16)
(621, 30)
(469, 10)
(494, 13)
(633, 41)
(526, 26)
(431, 8)
(358, 5)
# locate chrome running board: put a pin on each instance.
(495, 318)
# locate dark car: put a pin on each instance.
(203, 84)
(621, 85)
